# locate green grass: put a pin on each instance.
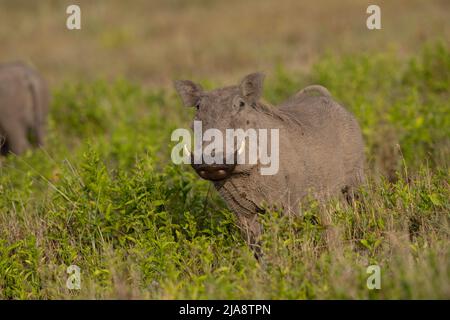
(104, 195)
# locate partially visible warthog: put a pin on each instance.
(321, 148)
(24, 100)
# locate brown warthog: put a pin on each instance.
(24, 100)
(321, 149)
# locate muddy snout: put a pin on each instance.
(214, 172)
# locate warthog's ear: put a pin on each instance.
(189, 92)
(252, 86)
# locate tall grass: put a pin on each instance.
(104, 195)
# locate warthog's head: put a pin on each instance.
(233, 107)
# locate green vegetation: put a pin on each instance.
(104, 195)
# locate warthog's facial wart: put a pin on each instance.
(217, 159)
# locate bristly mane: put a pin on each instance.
(274, 112)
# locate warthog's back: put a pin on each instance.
(331, 139)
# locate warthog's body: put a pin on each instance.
(321, 149)
(24, 102)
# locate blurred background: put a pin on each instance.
(156, 41)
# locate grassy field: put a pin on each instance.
(103, 194)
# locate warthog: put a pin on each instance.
(24, 100)
(321, 149)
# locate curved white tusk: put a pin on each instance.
(242, 147)
(188, 153)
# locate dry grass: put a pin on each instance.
(156, 41)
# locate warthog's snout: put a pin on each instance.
(217, 171)
(214, 172)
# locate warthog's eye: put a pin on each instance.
(238, 104)
(197, 106)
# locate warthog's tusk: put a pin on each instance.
(188, 153)
(242, 147)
